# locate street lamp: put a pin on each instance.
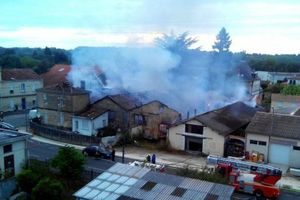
(123, 145)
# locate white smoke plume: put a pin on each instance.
(193, 80)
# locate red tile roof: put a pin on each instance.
(56, 75)
(19, 74)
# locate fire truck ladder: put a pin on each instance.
(245, 165)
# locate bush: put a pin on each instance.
(47, 189)
(211, 177)
(27, 180)
(70, 163)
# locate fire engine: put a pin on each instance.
(249, 177)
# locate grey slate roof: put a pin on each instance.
(279, 125)
(124, 182)
(227, 119)
(7, 136)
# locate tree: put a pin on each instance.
(222, 42)
(176, 43)
(70, 162)
(47, 189)
(27, 180)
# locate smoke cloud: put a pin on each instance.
(186, 81)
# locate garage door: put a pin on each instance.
(279, 154)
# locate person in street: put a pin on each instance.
(148, 158)
(113, 155)
(1, 116)
(153, 159)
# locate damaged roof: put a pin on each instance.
(227, 119)
(56, 75)
(279, 125)
(93, 112)
(19, 74)
(125, 101)
(65, 88)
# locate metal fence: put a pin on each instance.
(62, 135)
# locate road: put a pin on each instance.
(17, 120)
(43, 151)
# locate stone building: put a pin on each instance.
(57, 104)
(18, 89)
(151, 120)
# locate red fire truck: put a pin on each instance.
(249, 177)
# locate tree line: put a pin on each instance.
(40, 60)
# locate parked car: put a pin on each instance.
(97, 151)
(7, 126)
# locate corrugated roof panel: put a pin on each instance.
(94, 183)
(139, 183)
(158, 188)
(151, 195)
(112, 187)
(132, 171)
(221, 190)
(112, 197)
(168, 189)
(163, 178)
(122, 189)
(104, 175)
(93, 193)
(103, 185)
(141, 173)
(101, 195)
(122, 179)
(198, 185)
(113, 177)
(130, 181)
(199, 195)
(83, 192)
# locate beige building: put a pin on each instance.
(18, 89)
(276, 137)
(151, 120)
(57, 104)
(12, 152)
(219, 132)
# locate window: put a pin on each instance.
(60, 103)
(190, 128)
(61, 119)
(253, 142)
(33, 87)
(76, 125)
(22, 87)
(262, 143)
(257, 142)
(139, 119)
(33, 102)
(297, 148)
(82, 85)
(11, 90)
(84, 124)
(104, 123)
(7, 148)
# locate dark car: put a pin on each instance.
(97, 151)
(7, 126)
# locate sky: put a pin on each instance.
(271, 27)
